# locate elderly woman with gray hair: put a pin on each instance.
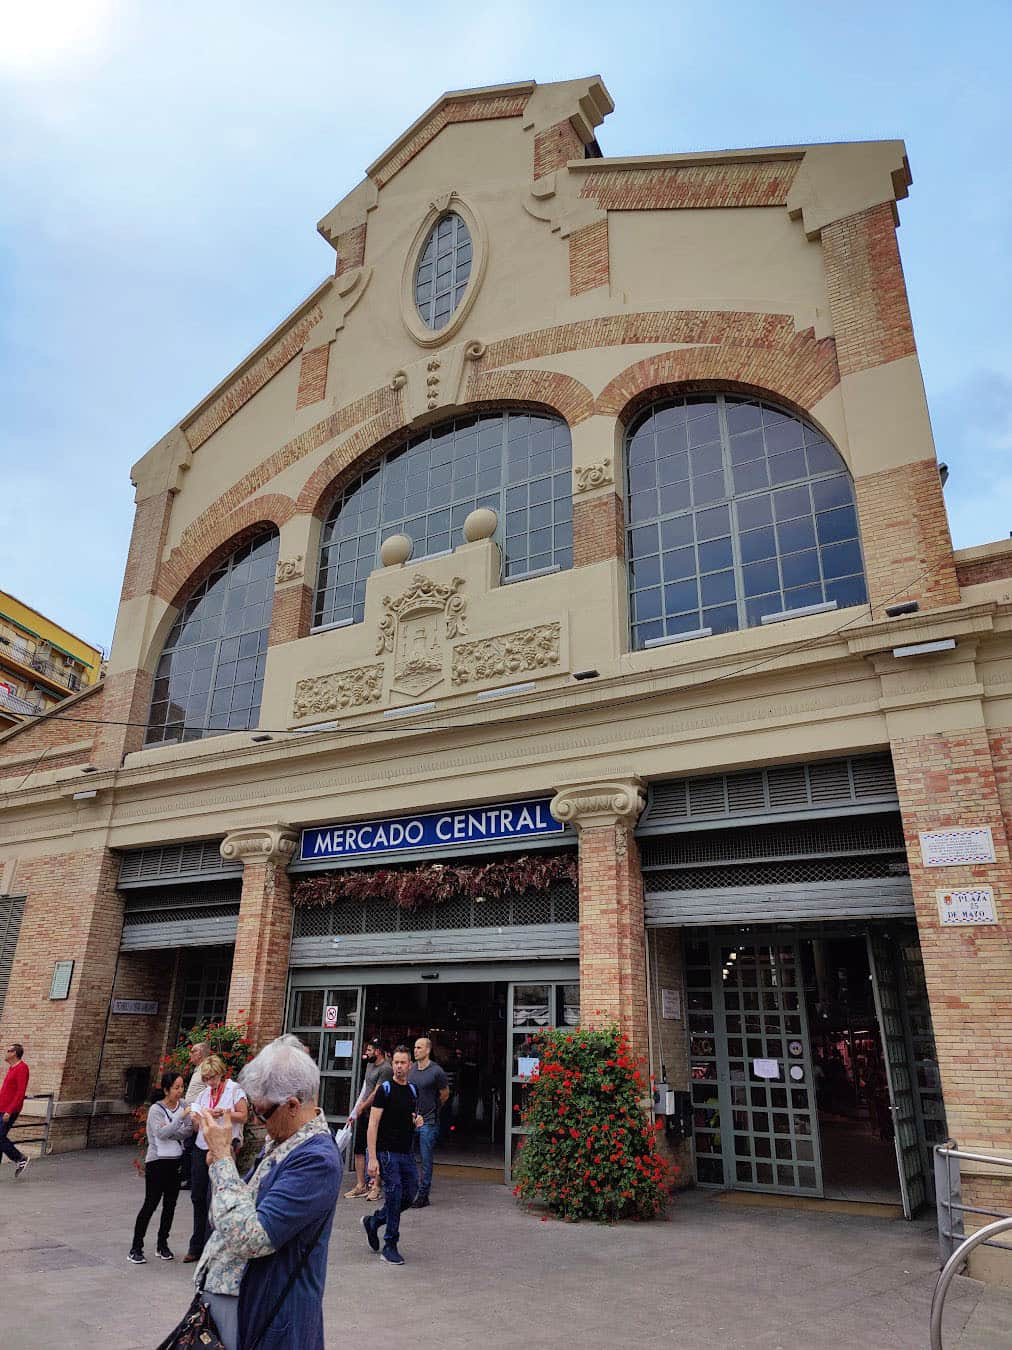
(263, 1270)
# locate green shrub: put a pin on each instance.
(590, 1151)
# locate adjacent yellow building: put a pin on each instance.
(40, 663)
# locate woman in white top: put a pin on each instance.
(224, 1099)
(168, 1124)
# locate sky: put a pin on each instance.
(164, 167)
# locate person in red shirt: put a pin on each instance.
(12, 1098)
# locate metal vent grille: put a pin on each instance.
(11, 914)
(860, 835)
(557, 905)
(175, 862)
(668, 880)
(173, 904)
(787, 788)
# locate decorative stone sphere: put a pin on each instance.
(396, 548)
(480, 524)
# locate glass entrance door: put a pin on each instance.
(753, 1089)
(329, 1022)
(531, 1009)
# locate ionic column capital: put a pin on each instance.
(599, 803)
(260, 844)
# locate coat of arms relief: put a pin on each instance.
(416, 626)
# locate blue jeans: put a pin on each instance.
(427, 1137)
(7, 1148)
(400, 1186)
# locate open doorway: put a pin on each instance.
(467, 1026)
(851, 1086)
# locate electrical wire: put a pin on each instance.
(447, 721)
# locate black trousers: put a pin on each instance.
(200, 1195)
(161, 1185)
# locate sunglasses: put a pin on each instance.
(264, 1116)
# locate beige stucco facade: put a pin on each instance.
(596, 284)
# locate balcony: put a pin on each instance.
(20, 707)
(30, 656)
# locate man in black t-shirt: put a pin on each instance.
(393, 1120)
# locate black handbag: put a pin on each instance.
(197, 1330)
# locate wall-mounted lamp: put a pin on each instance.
(261, 738)
(902, 607)
(585, 674)
(88, 768)
(925, 648)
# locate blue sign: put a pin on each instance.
(438, 829)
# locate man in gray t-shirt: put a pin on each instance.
(378, 1069)
(433, 1088)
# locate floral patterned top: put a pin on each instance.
(238, 1235)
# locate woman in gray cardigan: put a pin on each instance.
(168, 1125)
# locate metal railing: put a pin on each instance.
(23, 707)
(954, 1246)
(46, 1122)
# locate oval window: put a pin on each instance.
(444, 267)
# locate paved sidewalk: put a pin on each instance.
(483, 1272)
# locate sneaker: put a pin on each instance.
(21, 1167)
(371, 1233)
(137, 1258)
(164, 1254)
(422, 1202)
(391, 1256)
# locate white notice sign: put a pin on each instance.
(671, 1004)
(956, 908)
(953, 848)
(343, 1049)
(527, 1066)
(330, 1015)
(766, 1068)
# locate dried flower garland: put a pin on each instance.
(436, 883)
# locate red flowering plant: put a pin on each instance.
(590, 1150)
(227, 1040)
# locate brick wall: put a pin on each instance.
(313, 376)
(555, 147)
(350, 246)
(671, 1044)
(598, 529)
(947, 780)
(691, 186)
(292, 615)
(905, 536)
(867, 293)
(612, 944)
(588, 258)
(54, 733)
(72, 912)
(987, 569)
(260, 966)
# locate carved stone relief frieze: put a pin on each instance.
(529, 649)
(341, 690)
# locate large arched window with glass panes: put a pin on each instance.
(739, 514)
(211, 673)
(517, 463)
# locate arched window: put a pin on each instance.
(444, 266)
(516, 463)
(738, 512)
(211, 673)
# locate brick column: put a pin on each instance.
(260, 965)
(598, 512)
(612, 934)
(948, 780)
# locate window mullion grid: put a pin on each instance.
(732, 514)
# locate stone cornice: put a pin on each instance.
(264, 844)
(599, 803)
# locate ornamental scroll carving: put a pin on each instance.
(529, 649)
(271, 843)
(289, 569)
(592, 476)
(340, 690)
(583, 804)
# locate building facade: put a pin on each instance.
(40, 663)
(556, 618)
